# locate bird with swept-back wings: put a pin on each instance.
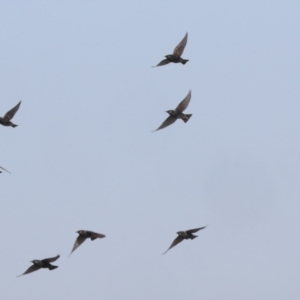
(44, 263)
(176, 56)
(177, 113)
(184, 235)
(5, 121)
(83, 235)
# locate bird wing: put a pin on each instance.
(10, 114)
(162, 63)
(180, 47)
(80, 239)
(195, 230)
(51, 259)
(184, 103)
(95, 235)
(175, 242)
(170, 120)
(31, 269)
(5, 170)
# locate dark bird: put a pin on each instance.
(44, 263)
(85, 234)
(5, 121)
(177, 113)
(176, 56)
(184, 235)
(4, 170)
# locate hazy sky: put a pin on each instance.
(84, 157)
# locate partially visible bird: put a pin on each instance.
(176, 56)
(5, 121)
(83, 235)
(38, 264)
(4, 170)
(184, 235)
(177, 113)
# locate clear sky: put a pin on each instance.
(84, 157)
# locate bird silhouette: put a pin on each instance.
(177, 113)
(83, 235)
(184, 235)
(5, 121)
(38, 264)
(4, 170)
(176, 56)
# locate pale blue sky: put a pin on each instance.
(84, 157)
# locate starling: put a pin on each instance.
(5, 121)
(176, 56)
(177, 113)
(4, 170)
(184, 235)
(85, 234)
(44, 263)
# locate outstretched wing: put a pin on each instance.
(180, 47)
(95, 235)
(195, 230)
(5, 170)
(80, 239)
(162, 63)
(51, 259)
(30, 269)
(10, 114)
(170, 120)
(184, 103)
(175, 242)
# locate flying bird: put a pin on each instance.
(5, 121)
(4, 170)
(44, 263)
(177, 113)
(184, 235)
(176, 56)
(83, 235)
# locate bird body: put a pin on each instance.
(39, 264)
(5, 121)
(184, 235)
(177, 113)
(176, 56)
(83, 235)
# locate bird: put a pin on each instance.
(44, 263)
(184, 235)
(176, 56)
(83, 235)
(177, 113)
(4, 170)
(5, 121)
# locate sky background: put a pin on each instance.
(84, 157)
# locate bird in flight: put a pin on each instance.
(176, 56)
(184, 235)
(5, 121)
(83, 235)
(4, 170)
(44, 263)
(177, 113)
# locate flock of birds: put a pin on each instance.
(175, 114)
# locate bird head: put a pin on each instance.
(80, 232)
(36, 262)
(170, 112)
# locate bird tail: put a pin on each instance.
(184, 61)
(51, 267)
(186, 117)
(93, 238)
(194, 236)
(13, 125)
